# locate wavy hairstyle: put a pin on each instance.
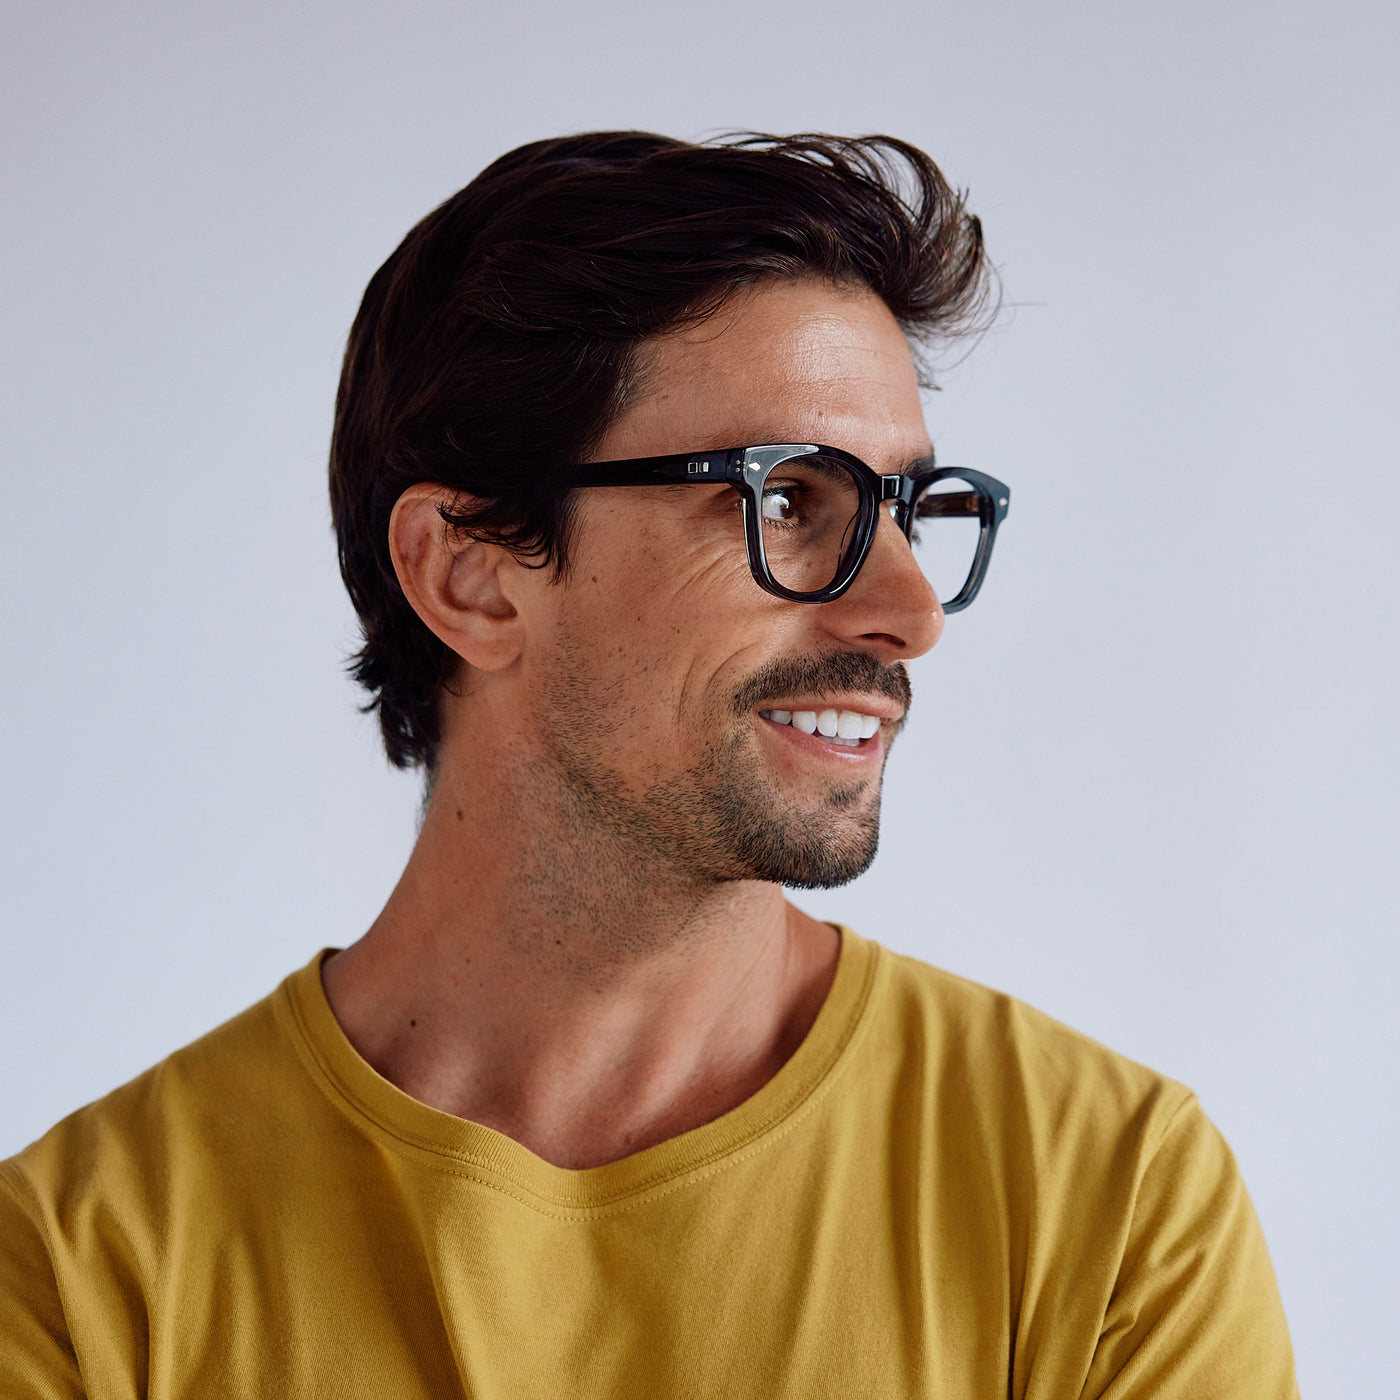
(498, 341)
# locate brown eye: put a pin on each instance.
(779, 503)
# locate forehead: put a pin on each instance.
(801, 361)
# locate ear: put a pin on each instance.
(459, 587)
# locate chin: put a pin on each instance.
(804, 851)
(829, 875)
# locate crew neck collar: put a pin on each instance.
(469, 1149)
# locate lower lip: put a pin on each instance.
(870, 750)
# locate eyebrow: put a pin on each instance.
(913, 464)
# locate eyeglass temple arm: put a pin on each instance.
(674, 470)
(987, 494)
(950, 503)
(945, 503)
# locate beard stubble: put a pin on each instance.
(723, 818)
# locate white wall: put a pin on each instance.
(1150, 785)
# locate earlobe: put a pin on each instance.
(458, 586)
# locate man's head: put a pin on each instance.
(513, 329)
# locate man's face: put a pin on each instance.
(663, 672)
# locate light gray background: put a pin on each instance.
(1150, 783)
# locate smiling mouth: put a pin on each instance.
(848, 728)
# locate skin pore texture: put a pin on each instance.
(589, 950)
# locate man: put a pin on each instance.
(637, 506)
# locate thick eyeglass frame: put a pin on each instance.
(748, 469)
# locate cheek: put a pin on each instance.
(660, 591)
(659, 634)
(660, 620)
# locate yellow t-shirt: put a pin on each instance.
(942, 1193)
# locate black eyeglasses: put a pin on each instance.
(810, 514)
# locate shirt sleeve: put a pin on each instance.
(1195, 1313)
(37, 1361)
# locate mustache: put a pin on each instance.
(832, 671)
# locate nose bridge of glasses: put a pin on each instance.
(897, 492)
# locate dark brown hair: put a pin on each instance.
(496, 344)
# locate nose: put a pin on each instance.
(891, 605)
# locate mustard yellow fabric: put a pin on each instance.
(944, 1193)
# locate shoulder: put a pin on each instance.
(986, 1043)
(133, 1149)
(1097, 1188)
(89, 1210)
(1047, 1128)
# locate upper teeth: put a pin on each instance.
(845, 726)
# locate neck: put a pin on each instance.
(570, 985)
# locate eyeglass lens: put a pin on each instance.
(946, 530)
(811, 507)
